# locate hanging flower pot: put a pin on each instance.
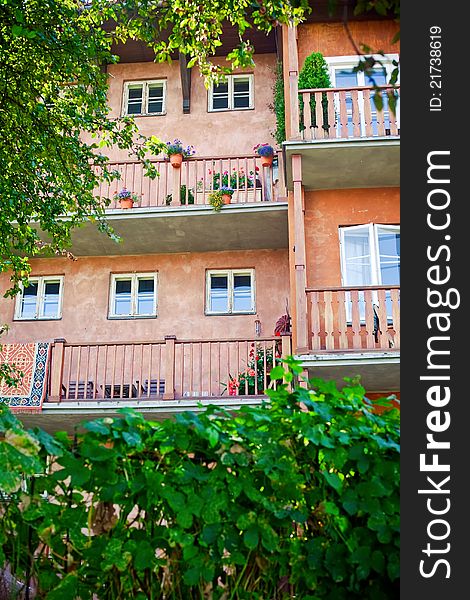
(266, 153)
(176, 160)
(266, 161)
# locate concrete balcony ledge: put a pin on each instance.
(194, 228)
(66, 416)
(379, 370)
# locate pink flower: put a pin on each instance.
(251, 372)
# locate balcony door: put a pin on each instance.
(370, 256)
(342, 75)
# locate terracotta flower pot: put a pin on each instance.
(126, 202)
(226, 198)
(267, 161)
(176, 160)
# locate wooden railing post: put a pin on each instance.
(286, 348)
(57, 367)
(176, 186)
(169, 361)
(293, 59)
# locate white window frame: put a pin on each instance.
(230, 273)
(336, 63)
(145, 98)
(230, 91)
(373, 231)
(376, 275)
(134, 277)
(41, 280)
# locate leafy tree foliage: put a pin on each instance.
(54, 115)
(296, 498)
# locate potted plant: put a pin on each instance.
(176, 152)
(125, 198)
(216, 200)
(227, 193)
(266, 152)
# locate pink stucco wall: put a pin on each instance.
(181, 298)
(212, 134)
(326, 211)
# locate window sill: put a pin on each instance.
(218, 110)
(130, 317)
(35, 319)
(231, 314)
(144, 115)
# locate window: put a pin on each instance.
(133, 295)
(370, 255)
(230, 292)
(234, 93)
(145, 98)
(342, 75)
(42, 299)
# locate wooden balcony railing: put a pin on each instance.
(352, 318)
(335, 113)
(164, 370)
(196, 179)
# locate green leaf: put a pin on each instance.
(66, 590)
(277, 373)
(333, 479)
(144, 557)
(251, 537)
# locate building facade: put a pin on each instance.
(194, 306)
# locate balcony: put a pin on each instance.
(355, 331)
(344, 140)
(174, 214)
(159, 378)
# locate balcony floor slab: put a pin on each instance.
(379, 371)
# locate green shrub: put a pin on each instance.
(169, 198)
(296, 498)
(314, 74)
(279, 105)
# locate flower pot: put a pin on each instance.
(126, 202)
(176, 160)
(226, 198)
(267, 161)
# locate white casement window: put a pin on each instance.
(370, 256)
(230, 292)
(342, 75)
(235, 92)
(133, 295)
(143, 98)
(42, 299)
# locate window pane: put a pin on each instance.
(122, 300)
(358, 259)
(241, 93)
(28, 301)
(51, 299)
(155, 102)
(218, 300)
(220, 96)
(242, 293)
(134, 102)
(145, 297)
(389, 256)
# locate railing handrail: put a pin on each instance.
(191, 158)
(224, 340)
(177, 341)
(353, 288)
(358, 88)
(136, 342)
